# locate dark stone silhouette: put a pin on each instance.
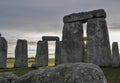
(50, 38)
(115, 55)
(58, 52)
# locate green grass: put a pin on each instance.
(21, 71)
(112, 74)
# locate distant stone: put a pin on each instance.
(7, 78)
(84, 16)
(3, 52)
(0, 34)
(21, 54)
(65, 73)
(58, 52)
(41, 54)
(115, 55)
(72, 43)
(50, 38)
(98, 45)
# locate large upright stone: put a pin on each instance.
(21, 54)
(3, 52)
(98, 46)
(58, 52)
(42, 53)
(72, 42)
(115, 55)
(84, 16)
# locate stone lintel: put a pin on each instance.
(50, 38)
(84, 16)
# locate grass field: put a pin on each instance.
(10, 62)
(112, 74)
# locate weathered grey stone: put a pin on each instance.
(3, 52)
(58, 52)
(98, 46)
(21, 54)
(84, 16)
(50, 38)
(42, 53)
(115, 55)
(7, 78)
(72, 42)
(65, 73)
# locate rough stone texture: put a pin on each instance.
(58, 52)
(115, 55)
(98, 46)
(3, 52)
(65, 73)
(50, 38)
(21, 54)
(42, 53)
(85, 50)
(84, 16)
(7, 78)
(72, 42)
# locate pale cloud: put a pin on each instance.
(32, 19)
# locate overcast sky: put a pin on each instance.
(30, 19)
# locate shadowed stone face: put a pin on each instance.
(98, 46)
(21, 54)
(58, 52)
(72, 42)
(42, 53)
(3, 52)
(115, 55)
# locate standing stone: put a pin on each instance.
(21, 54)
(3, 52)
(98, 46)
(72, 42)
(115, 55)
(58, 52)
(42, 53)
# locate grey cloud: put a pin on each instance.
(46, 16)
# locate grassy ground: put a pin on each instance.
(112, 74)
